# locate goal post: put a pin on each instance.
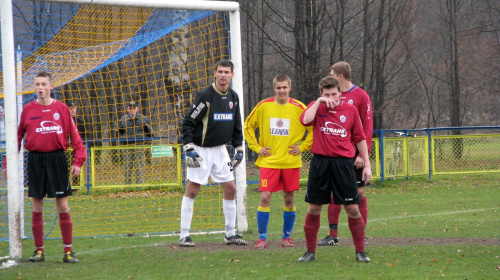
(9, 82)
(69, 85)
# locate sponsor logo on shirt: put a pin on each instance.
(279, 127)
(197, 111)
(49, 127)
(334, 129)
(223, 116)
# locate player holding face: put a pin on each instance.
(46, 123)
(336, 127)
(280, 132)
(213, 120)
(354, 95)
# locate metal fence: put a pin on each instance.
(427, 152)
(432, 151)
(394, 154)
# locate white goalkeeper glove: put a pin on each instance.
(238, 156)
(193, 159)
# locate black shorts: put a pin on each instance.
(329, 175)
(359, 177)
(48, 175)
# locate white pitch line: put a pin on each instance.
(99, 251)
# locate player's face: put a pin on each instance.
(132, 110)
(223, 76)
(331, 93)
(72, 111)
(282, 91)
(43, 86)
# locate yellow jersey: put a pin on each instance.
(279, 128)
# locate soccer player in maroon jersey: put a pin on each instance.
(336, 126)
(354, 95)
(46, 123)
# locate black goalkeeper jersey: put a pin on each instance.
(214, 119)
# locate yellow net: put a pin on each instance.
(102, 58)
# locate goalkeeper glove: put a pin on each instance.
(193, 159)
(238, 156)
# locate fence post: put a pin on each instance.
(382, 162)
(430, 151)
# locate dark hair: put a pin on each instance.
(328, 82)
(44, 74)
(133, 104)
(224, 63)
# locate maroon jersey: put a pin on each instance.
(335, 130)
(360, 99)
(47, 129)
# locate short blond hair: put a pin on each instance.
(282, 78)
(43, 74)
(343, 68)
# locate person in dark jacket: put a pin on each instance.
(77, 119)
(136, 128)
(80, 126)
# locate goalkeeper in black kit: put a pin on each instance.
(212, 121)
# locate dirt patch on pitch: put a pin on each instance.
(373, 241)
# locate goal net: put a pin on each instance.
(102, 58)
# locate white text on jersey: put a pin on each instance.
(223, 116)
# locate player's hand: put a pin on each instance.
(367, 174)
(75, 171)
(238, 156)
(294, 150)
(359, 163)
(329, 102)
(193, 159)
(265, 151)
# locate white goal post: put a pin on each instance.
(9, 81)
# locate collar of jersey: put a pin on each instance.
(218, 91)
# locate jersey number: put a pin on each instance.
(263, 183)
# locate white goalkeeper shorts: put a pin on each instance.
(215, 163)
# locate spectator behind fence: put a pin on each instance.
(80, 126)
(135, 128)
(81, 130)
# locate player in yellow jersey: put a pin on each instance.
(279, 147)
